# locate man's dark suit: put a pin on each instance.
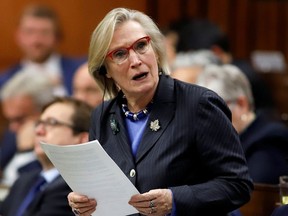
(52, 201)
(196, 152)
(265, 143)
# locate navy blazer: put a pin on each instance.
(196, 152)
(265, 143)
(52, 201)
(68, 65)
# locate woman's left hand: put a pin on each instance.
(155, 202)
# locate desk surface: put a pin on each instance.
(265, 198)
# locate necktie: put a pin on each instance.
(36, 187)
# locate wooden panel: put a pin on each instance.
(168, 11)
(238, 31)
(266, 25)
(278, 83)
(78, 19)
(250, 24)
(196, 8)
(264, 199)
(218, 11)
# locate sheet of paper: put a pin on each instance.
(89, 170)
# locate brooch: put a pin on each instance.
(114, 126)
(154, 125)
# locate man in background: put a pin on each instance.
(22, 97)
(37, 35)
(85, 87)
(64, 121)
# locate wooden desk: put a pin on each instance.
(265, 198)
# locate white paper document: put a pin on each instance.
(89, 170)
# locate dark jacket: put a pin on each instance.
(52, 201)
(265, 143)
(196, 152)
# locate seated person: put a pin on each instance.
(38, 35)
(64, 121)
(23, 97)
(190, 64)
(85, 87)
(265, 142)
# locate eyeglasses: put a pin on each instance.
(51, 122)
(140, 47)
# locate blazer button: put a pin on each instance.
(132, 173)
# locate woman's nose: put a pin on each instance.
(134, 58)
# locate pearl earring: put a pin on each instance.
(244, 117)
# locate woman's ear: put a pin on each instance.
(102, 70)
(108, 75)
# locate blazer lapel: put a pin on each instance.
(163, 110)
(122, 140)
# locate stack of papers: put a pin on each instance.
(89, 170)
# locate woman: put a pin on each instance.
(265, 142)
(174, 141)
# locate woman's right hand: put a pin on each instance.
(81, 205)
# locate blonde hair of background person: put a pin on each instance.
(102, 37)
(233, 86)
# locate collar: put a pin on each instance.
(51, 67)
(50, 175)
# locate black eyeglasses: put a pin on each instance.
(140, 46)
(52, 122)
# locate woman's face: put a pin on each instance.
(137, 76)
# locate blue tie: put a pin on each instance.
(36, 187)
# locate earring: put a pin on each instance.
(244, 117)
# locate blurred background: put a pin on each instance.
(256, 29)
(250, 24)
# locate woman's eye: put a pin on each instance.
(141, 45)
(119, 53)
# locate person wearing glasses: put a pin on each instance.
(264, 140)
(64, 121)
(174, 141)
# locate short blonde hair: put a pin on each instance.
(102, 37)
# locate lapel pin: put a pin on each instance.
(114, 126)
(154, 125)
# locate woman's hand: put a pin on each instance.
(155, 202)
(81, 205)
